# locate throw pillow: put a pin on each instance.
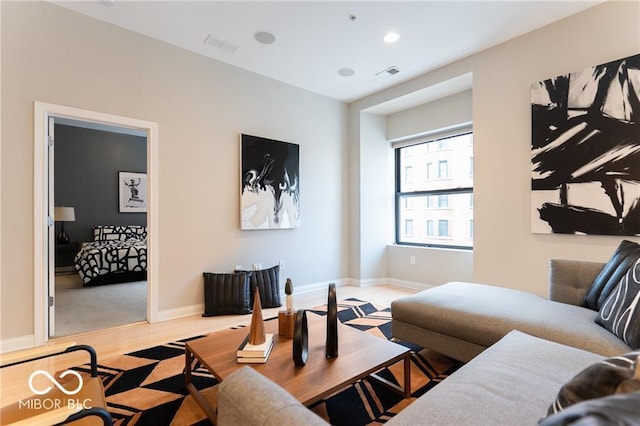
(615, 375)
(611, 410)
(625, 255)
(267, 281)
(620, 313)
(226, 294)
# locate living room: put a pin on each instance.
(201, 106)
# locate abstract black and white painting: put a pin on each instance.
(585, 151)
(270, 196)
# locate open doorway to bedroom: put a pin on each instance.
(120, 199)
(99, 190)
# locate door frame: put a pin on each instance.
(42, 204)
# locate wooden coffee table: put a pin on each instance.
(360, 355)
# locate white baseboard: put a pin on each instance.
(370, 282)
(175, 313)
(17, 343)
(409, 284)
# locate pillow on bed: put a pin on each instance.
(119, 233)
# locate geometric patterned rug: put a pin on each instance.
(146, 387)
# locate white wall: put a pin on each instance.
(53, 55)
(439, 114)
(506, 253)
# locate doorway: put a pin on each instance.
(100, 281)
(45, 229)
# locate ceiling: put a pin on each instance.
(313, 40)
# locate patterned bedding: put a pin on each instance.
(115, 249)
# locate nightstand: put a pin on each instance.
(65, 254)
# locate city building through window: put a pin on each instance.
(437, 199)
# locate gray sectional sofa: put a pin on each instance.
(520, 349)
(461, 320)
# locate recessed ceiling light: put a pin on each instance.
(264, 37)
(346, 72)
(391, 37)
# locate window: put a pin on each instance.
(443, 228)
(408, 174)
(408, 203)
(429, 171)
(443, 182)
(408, 227)
(443, 169)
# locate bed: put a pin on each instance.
(116, 254)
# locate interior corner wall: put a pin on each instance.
(374, 193)
(201, 107)
(506, 253)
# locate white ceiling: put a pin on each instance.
(315, 39)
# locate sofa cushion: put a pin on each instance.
(620, 313)
(619, 374)
(510, 383)
(483, 314)
(625, 255)
(246, 397)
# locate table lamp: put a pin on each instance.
(63, 214)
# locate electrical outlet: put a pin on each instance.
(412, 260)
(281, 264)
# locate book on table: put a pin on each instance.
(248, 350)
(255, 354)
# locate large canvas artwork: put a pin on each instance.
(270, 197)
(585, 154)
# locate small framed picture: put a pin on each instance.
(132, 188)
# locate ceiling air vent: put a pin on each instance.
(388, 72)
(220, 44)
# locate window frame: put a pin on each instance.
(399, 195)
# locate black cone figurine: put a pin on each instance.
(332, 323)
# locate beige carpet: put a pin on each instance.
(83, 309)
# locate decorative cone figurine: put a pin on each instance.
(256, 330)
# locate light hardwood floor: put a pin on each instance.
(120, 340)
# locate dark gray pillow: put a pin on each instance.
(620, 313)
(625, 255)
(615, 375)
(622, 409)
(226, 294)
(267, 281)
